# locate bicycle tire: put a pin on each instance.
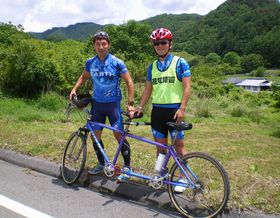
(74, 158)
(212, 192)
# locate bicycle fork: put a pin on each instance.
(185, 170)
(78, 133)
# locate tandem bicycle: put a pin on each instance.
(204, 180)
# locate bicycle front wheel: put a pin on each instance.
(74, 158)
(206, 192)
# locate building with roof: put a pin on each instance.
(233, 80)
(251, 84)
(254, 85)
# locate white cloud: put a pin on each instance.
(40, 15)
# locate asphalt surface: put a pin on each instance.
(131, 191)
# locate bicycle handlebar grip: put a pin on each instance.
(137, 116)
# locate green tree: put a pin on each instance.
(251, 62)
(232, 58)
(268, 45)
(130, 42)
(131, 39)
(9, 33)
(259, 72)
(232, 63)
(70, 57)
(207, 80)
(29, 71)
(213, 58)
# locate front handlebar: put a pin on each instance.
(128, 121)
(135, 115)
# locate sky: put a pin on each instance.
(41, 15)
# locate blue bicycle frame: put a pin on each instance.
(170, 152)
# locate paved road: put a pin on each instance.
(53, 197)
(49, 196)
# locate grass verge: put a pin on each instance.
(248, 150)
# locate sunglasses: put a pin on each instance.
(161, 43)
(100, 34)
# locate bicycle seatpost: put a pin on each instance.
(174, 138)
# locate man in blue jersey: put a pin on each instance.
(105, 72)
(168, 80)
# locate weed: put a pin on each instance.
(238, 111)
(51, 101)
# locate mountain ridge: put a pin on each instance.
(242, 26)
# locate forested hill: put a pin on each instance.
(78, 31)
(242, 26)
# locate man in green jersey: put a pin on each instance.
(168, 81)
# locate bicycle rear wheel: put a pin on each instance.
(211, 192)
(74, 157)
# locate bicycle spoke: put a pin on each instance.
(73, 158)
(210, 192)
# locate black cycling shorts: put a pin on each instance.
(159, 118)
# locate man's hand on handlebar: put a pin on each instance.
(72, 94)
(139, 110)
(130, 110)
(133, 115)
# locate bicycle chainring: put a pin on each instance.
(109, 169)
(156, 181)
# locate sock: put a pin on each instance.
(126, 153)
(98, 152)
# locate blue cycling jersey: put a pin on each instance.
(105, 77)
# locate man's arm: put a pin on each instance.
(130, 89)
(145, 95)
(85, 75)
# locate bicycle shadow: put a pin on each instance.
(156, 210)
(83, 181)
(59, 182)
(132, 191)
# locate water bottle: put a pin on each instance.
(159, 162)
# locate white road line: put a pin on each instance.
(21, 209)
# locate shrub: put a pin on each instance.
(255, 114)
(238, 111)
(223, 102)
(202, 109)
(276, 133)
(236, 93)
(260, 72)
(276, 95)
(51, 101)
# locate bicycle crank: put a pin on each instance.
(109, 169)
(156, 181)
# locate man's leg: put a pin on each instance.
(162, 141)
(179, 142)
(180, 148)
(125, 150)
(97, 116)
(97, 150)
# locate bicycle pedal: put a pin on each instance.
(117, 171)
